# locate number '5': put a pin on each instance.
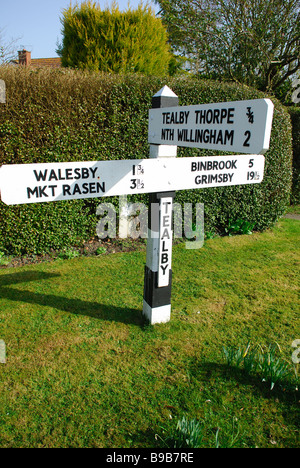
(251, 163)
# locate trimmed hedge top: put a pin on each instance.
(65, 115)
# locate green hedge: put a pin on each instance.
(295, 116)
(65, 115)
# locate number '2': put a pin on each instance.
(248, 136)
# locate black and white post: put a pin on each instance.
(158, 269)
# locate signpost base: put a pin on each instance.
(155, 315)
(158, 269)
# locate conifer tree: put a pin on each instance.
(112, 41)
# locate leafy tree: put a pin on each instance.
(111, 41)
(256, 42)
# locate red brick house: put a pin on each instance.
(26, 60)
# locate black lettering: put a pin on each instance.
(85, 188)
(166, 204)
(42, 192)
(93, 187)
(32, 192)
(40, 176)
(52, 175)
(77, 172)
(167, 134)
(66, 190)
(164, 247)
(197, 135)
(53, 187)
(166, 221)
(180, 135)
(101, 187)
(165, 116)
(164, 268)
(76, 190)
(229, 137)
(164, 258)
(93, 171)
(69, 174)
(213, 136)
(85, 173)
(216, 115)
(206, 136)
(220, 138)
(248, 135)
(209, 116)
(191, 137)
(223, 115)
(230, 115)
(200, 116)
(166, 234)
(60, 176)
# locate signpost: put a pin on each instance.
(243, 126)
(37, 183)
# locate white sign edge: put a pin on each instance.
(269, 121)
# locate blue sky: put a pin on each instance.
(35, 24)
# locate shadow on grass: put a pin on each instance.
(25, 277)
(112, 313)
(284, 392)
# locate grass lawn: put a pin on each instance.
(84, 370)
